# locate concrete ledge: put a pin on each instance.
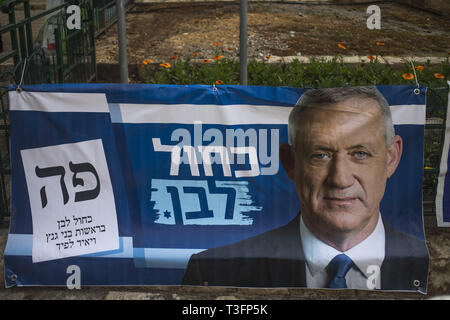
(360, 59)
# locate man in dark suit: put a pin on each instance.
(342, 150)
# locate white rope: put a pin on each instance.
(21, 78)
(416, 91)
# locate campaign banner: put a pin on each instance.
(442, 191)
(118, 184)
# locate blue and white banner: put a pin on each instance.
(442, 192)
(122, 184)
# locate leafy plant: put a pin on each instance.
(316, 73)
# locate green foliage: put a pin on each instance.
(316, 73)
(185, 72)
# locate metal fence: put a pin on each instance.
(105, 14)
(53, 54)
(57, 54)
(436, 114)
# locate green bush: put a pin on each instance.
(317, 73)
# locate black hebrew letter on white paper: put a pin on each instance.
(50, 172)
(84, 167)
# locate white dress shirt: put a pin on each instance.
(368, 256)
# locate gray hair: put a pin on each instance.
(328, 96)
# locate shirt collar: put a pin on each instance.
(369, 252)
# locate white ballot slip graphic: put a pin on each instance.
(71, 199)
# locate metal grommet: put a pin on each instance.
(214, 88)
(19, 89)
(13, 277)
(416, 283)
(416, 91)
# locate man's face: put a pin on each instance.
(340, 165)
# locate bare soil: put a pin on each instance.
(162, 31)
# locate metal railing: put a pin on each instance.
(55, 54)
(58, 54)
(74, 49)
(436, 115)
(105, 14)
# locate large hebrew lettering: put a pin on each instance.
(84, 167)
(204, 210)
(201, 202)
(50, 172)
(60, 171)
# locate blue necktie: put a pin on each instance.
(340, 265)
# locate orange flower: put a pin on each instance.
(230, 49)
(206, 61)
(219, 82)
(174, 57)
(420, 68)
(439, 76)
(147, 61)
(378, 43)
(218, 57)
(195, 53)
(342, 46)
(217, 44)
(371, 58)
(165, 65)
(408, 76)
(268, 57)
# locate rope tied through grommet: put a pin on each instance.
(19, 89)
(416, 90)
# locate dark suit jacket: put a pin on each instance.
(275, 259)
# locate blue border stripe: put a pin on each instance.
(22, 245)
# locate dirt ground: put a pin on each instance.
(162, 31)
